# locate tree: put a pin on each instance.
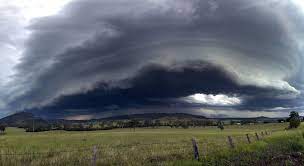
(133, 124)
(147, 123)
(79, 126)
(157, 123)
(185, 125)
(2, 128)
(91, 125)
(101, 125)
(294, 119)
(220, 125)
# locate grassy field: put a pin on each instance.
(145, 146)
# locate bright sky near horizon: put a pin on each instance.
(17, 15)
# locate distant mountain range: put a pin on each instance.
(22, 119)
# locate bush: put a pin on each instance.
(294, 119)
(294, 123)
(2, 128)
(220, 125)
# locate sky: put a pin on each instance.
(79, 59)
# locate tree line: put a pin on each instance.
(38, 125)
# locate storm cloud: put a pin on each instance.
(100, 54)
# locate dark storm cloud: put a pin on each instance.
(154, 83)
(101, 53)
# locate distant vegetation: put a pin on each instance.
(154, 120)
(132, 123)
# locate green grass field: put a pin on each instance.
(145, 146)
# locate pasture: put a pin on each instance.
(145, 146)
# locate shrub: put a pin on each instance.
(294, 119)
(2, 128)
(220, 125)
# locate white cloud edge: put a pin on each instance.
(213, 100)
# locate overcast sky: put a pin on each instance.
(95, 58)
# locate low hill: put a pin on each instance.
(157, 116)
(17, 119)
(23, 120)
(260, 119)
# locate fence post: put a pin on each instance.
(230, 142)
(262, 133)
(248, 138)
(257, 136)
(266, 133)
(195, 149)
(94, 156)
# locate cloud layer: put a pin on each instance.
(96, 55)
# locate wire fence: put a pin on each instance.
(106, 154)
(199, 147)
(47, 152)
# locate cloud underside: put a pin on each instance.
(142, 54)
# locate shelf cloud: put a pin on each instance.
(119, 55)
